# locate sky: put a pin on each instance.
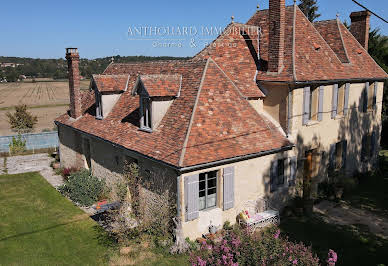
(43, 29)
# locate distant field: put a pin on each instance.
(46, 99)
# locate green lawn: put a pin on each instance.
(355, 244)
(40, 227)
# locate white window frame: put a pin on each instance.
(206, 190)
(145, 119)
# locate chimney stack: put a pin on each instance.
(360, 27)
(72, 57)
(277, 14)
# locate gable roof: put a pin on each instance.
(212, 120)
(338, 56)
(224, 124)
(166, 142)
(111, 83)
(161, 84)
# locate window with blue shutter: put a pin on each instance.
(306, 105)
(228, 188)
(293, 169)
(320, 103)
(334, 101)
(207, 190)
(346, 103)
(289, 112)
(375, 94)
(365, 98)
(273, 175)
(191, 197)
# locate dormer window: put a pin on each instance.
(107, 89)
(145, 113)
(99, 113)
(156, 93)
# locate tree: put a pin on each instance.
(21, 121)
(309, 8)
(378, 49)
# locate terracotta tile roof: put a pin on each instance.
(212, 120)
(330, 31)
(304, 62)
(236, 54)
(225, 125)
(166, 142)
(111, 83)
(162, 84)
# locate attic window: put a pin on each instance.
(99, 113)
(145, 113)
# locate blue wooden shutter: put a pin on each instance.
(289, 112)
(344, 153)
(373, 144)
(228, 187)
(365, 98)
(273, 175)
(292, 177)
(320, 103)
(334, 101)
(192, 197)
(306, 105)
(346, 103)
(332, 157)
(375, 95)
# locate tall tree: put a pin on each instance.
(310, 9)
(378, 49)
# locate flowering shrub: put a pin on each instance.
(332, 258)
(241, 247)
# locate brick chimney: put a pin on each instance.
(277, 14)
(360, 27)
(72, 57)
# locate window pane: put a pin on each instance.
(202, 185)
(212, 174)
(212, 191)
(211, 183)
(202, 203)
(202, 177)
(211, 200)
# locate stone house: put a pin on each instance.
(268, 103)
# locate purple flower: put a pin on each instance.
(277, 234)
(295, 261)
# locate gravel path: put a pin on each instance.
(347, 215)
(33, 163)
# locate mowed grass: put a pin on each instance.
(40, 227)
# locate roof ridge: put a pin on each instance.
(325, 20)
(354, 38)
(342, 41)
(323, 39)
(182, 156)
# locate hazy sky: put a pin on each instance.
(42, 29)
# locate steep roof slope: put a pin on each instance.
(225, 125)
(121, 125)
(166, 142)
(330, 31)
(316, 52)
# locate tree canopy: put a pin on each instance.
(310, 9)
(21, 121)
